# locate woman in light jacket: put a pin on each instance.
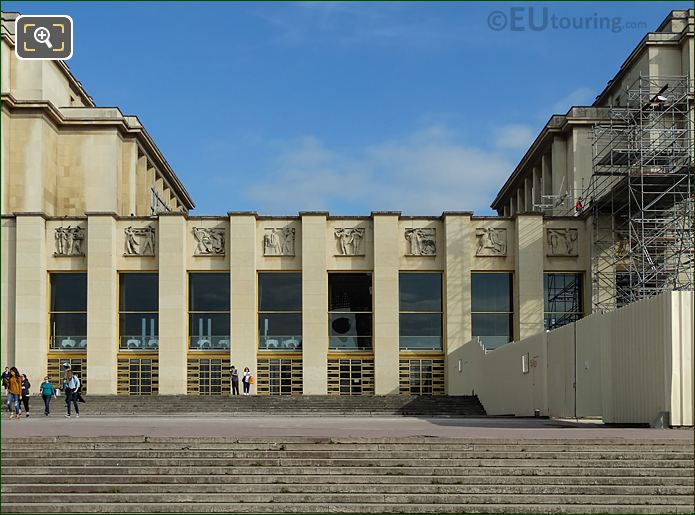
(246, 380)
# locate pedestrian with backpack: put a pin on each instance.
(71, 385)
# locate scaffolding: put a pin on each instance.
(640, 195)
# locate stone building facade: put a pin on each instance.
(103, 266)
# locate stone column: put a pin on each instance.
(102, 302)
(173, 309)
(242, 261)
(559, 169)
(528, 287)
(314, 303)
(460, 241)
(8, 255)
(387, 247)
(31, 308)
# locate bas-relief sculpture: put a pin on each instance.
(349, 241)
(562, 242)
(421, 242)
(139, 241)
(68, 241)
(492, 241)
(279, 241)
(209, 241)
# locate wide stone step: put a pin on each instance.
(282, 507)
(59, 454)
(378, 461)
(575, 470)
(325, 488)
(255, 479)
(330, 499)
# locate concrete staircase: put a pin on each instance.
(313, 405)
(364, 475)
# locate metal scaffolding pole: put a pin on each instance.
(641, 194)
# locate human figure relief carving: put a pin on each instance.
(349, 241)
(492, 241)
(139, 241)
(209, 241)
(68, 241)
(279, 241)
(421, 242)
(562, 242)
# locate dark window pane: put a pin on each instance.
(491, 292)
(493, 329)
(563, 293)
(139, 331)
(208, 292)
(417, 324)
(350, 324)
(349, 292)
(69, 331)
(280, 331)
(208, 330)
(68, 292)
(420, 331)
(280, 291)
(139, 292)
(420, 291)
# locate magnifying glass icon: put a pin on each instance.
(42, 35)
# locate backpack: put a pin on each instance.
(250, 379)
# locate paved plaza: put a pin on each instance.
(291, 426)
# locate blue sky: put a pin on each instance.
(346, 107)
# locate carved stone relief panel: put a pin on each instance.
(562, 242)
(421, 242)
(349, 241)
(209, 241)
(492, 241)
(279, 241)
(139, 241)
(69, 241)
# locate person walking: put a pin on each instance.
(5, 378)
(235, 381)
(14, 393)
(72, 383)
(25, 394)
(247, 379)
(47, 392)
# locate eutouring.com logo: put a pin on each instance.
(533, 19)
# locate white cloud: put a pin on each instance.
(426, 172)
(578, 97)
(515, 136)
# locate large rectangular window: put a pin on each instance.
(208, 311)
(280, 311)
(492, 312)
(563, 299)
(68, 311)
(138, 315)
(350, 311)
(420, 319)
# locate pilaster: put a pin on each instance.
(242, 248)
(173, 313)
(31, 307)
(314, 304)
(460, 238)
(385, 300)
(102, 304)
(529, 275)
